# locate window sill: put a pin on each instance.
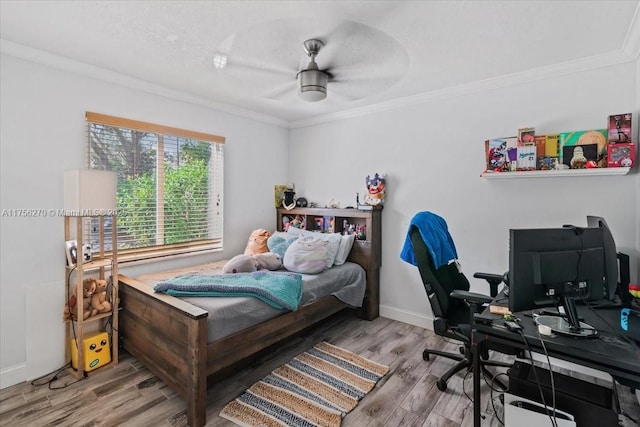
(134, 259)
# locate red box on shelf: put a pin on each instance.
(621, 155)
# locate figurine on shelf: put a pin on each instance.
(578, 161)
(289, 201)
(297, 222)
(375, 190)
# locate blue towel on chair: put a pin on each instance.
(435, 234)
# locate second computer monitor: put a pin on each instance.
(547, 265)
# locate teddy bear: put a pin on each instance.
(99, 301)
(250, 263)
(69, 311)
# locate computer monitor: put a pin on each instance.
(611, 259)
(556, 266)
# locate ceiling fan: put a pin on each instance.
(347, 51)
(312, 82)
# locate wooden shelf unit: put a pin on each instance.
(366, 252)
(104, 261)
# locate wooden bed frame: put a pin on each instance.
(169, 335)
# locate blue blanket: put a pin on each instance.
(281, 290)
(435, 234)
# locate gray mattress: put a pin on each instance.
(228, 315)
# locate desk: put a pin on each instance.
(620, 360)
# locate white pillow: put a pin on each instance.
(307, 255)
(346, 243)
(333, 239)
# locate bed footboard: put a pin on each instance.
(169, 336)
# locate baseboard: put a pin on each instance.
(13, 375)
(411, 318)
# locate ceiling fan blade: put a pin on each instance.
(281, 91)
(235, 64)
(339, 95)
(361, 88)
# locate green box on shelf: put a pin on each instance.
(585, 137)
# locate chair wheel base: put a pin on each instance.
(442, 385)
(425, 355)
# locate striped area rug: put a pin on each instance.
(317, 388)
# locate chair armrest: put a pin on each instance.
(493, 279)
(471, 297)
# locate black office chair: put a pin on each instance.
(453, 306)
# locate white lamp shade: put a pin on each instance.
(89, 192)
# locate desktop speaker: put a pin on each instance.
(96, 351)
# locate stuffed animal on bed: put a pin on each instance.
(257, 243)
(250, 263)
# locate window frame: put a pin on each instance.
(216, 197)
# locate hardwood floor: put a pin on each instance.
(129, 395)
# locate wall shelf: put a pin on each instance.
(556, 173)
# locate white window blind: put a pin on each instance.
(170, 184)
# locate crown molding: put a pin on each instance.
(62, 63)
(534, 74)
(631, 45)
(629, 52)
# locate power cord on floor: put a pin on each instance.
(491, 387)
(38, 382)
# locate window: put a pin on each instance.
(170, 184)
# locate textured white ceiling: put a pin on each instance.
(378, 51)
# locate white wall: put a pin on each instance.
(433, 153)
(42, 135)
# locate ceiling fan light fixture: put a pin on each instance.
(312, 85)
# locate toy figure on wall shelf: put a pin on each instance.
(376, 187)
(578, 161)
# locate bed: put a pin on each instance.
(177, 340)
